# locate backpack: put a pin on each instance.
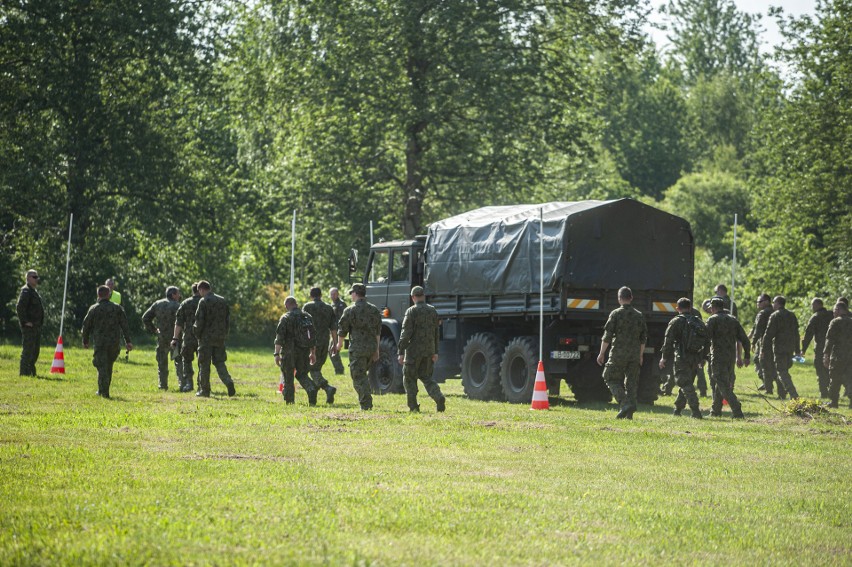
(306, 335)
(694, 338)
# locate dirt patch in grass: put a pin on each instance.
(238, 457)
(10, 409)
(330, 428)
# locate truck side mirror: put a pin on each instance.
(353, 261)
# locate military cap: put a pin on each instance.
(418, 291)
(360, 289)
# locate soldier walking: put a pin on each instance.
(362, 323)
(780, 341)
(212, 323)
(338, 305)
(104, 325)
(164, 311)
(837, 356)
(816, 329)
(627, 332)
(30, 310)
(686, 343)
(418, 350)
(763, 366)
(726, 337)
(295, 345)
(325, 324)
(184, 337)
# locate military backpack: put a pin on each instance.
(306, 335)
(694, 339)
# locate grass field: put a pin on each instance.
(166, 478)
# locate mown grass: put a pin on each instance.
(165, 478)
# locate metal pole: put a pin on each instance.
(67, 265)
(293, 254)
(371, 234)
(541, 285)
(734, 265)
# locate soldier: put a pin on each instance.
(325, 324)
(338, 305)
(164, 312)
(184, 337)
(212, 322)
(701, 381)
(779, 342)
(685, 341)
(721, 291)
(362, 323)
(838, 354)
(764, 367)
(295, 346)
(104, 324)
(30, 312)
(114, 296)
(418, 350)
(726, 337)
(627, 332)
(816, 329)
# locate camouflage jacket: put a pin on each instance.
(212, 320)
(285, 334)
(759, 329)
(672, 347)
(782, 332)
(625, 330)
(185, 317)
(29, 307)
(324, 319)
(362, 323)
(339, 306)
(420, 334)
(838, 341)
(104, 324)
(816, 329)
(164, 312)
(724, 331)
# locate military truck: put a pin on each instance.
(481, 271)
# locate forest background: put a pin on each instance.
(182, 135)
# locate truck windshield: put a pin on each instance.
(401, 263)
(379, 269)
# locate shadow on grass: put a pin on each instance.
(51, 378)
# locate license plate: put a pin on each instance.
(565, 354)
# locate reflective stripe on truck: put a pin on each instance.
(582, 303)
(665, 307)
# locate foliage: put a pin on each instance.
(806, 407)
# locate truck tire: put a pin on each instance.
(586, 381)
(518, 368)
(386, 373)
(649, 380)
(481, 367)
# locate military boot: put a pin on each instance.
(231, 390)
(441, 404)
(329, 394)
(414, 409)
(678, 412)
(312, 397)
(738, 415)
(696, 413)
(202, 393)
(412, 404)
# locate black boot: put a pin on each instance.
(231, 390)
(329, 394)
(696, 413)
(441, 404)
(312, 397)
(412, 404)
(414, 409)
(678, 412)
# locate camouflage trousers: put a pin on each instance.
(684, 373)
(821, 372)
(839, 375)
(295, 365)
(163, 352)
(103, 359)
(337, 363)
(218, 356)
(321, 355)
(725, 376)
(359, 367)
(419, 368)
(622, 378)
(770, 375)
(30, 349)
(187, 354)
(783, 361)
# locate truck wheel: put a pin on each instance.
(481, 367)
(386, 373)
(586, 381)
(517, 371)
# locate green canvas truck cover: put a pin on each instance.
(587, 244)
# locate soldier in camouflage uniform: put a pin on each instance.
(418, 350)
(838, 354)
(362, 323)
(627, 332)
(184, 337)
(212, 322)
(293, 359)
(685, 363)
(721, 292)
(779, 342)
(325, 324)
(104, 324)
(338, 305)
(765, 371)
(163, 311)
(816, 329)
(724, 332)
(701, 379)
(30, 312)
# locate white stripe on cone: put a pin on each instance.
(539, 398)
(58, 365)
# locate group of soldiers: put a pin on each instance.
(723, 343)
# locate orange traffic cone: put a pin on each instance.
(539, 398)
(58, 366)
